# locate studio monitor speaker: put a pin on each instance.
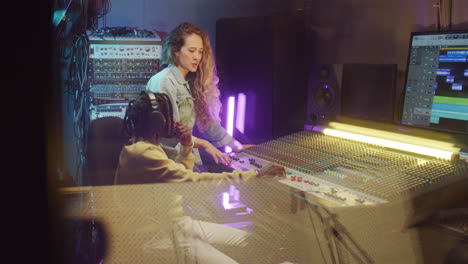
(324, 93)
(351, 91)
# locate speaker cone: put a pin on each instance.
(324, 96)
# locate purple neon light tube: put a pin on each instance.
(230, 119)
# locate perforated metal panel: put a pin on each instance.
(294, 223)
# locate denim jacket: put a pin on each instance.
(171, 82)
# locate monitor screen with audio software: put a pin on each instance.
(436, 88)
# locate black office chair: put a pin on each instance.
(106, 137)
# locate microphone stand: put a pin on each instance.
(340, 242)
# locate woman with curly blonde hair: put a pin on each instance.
(191, 82)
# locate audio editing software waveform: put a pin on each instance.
(346, 172)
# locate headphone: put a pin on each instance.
(154, 116)
(161, 117)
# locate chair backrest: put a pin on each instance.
(106, 138)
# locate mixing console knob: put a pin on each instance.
(361, 201)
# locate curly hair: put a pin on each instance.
(137, 116)
(205, 80)
(138, 122)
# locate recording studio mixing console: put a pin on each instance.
(346, 172)
(341, 201)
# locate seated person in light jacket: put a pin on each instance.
(142, 160)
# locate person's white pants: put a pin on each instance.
(194, 239)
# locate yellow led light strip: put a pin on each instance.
(444, 154)
(412, 140)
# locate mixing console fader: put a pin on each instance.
(346, 172)
(310, 183)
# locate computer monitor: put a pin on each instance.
(436, 88)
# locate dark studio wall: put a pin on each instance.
(369, 31)
(165, 15)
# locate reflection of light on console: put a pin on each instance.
(240, 113)
(226, 204)
(230, 119)
(233, 192)
(232, 203)
(391, 144)
(241, 225)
